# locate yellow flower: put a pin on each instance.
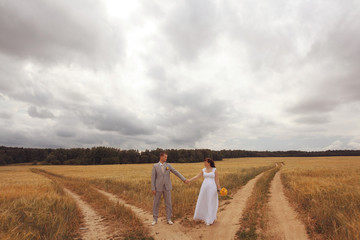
(223, 192)
(167, 168)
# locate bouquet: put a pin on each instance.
(223, 192)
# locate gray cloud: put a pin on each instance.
(313, 119)
(52, 32)
(190, 74)
(265, 32)
(65, 133)
(20, 85)
(11, 76)
(5, 115)
(26, 138)
(35, 96)
(332, 68)
(314, 105)
(354, 143)
(191, 26)
(313, 143)
(187, 116)
(116, 120)
(42, 113)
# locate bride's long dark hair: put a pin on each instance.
(209, 160)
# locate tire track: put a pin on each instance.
(228, 220)
(283, 220)
(224, 228)
(159, 231)
(93, 227)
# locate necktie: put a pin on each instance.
(162, 168)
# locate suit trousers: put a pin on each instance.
(168, 207)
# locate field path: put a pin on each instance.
(228, 220)
(93, 228)
(161, 230)
(225, 227)
(283, 221)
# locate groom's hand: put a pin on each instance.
(186, 181)
(153, 192)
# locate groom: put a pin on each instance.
(161, 185)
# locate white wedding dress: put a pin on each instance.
(207, 203)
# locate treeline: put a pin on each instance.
(100, 155)
(109, 155)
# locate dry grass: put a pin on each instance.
(183, 196)
(255, 214)
(122, 220)
(325, 190)
(133, 182)
(327, 193)
(32, 207)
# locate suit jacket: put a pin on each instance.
(161, 181)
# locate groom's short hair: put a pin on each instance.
(162, 154)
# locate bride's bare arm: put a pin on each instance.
(217, 180)
(196, 177)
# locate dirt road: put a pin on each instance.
(93, 227)
(161, 230)
(284, 223)
(224, 228)
(227, 223)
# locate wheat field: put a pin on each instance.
(33, 207)
(325, 190)
(133, 182)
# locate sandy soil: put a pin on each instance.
(93, 227)
(228, 219)
(224, 228)
(283, 220)
(161, 230)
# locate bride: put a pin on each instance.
(207, 203)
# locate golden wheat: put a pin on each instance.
(327, 193)
(253, 223)
(132, 182)
(120, 218)
(33, 207)
(325, 190)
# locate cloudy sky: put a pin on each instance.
(218, 74)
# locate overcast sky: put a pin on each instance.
(217, 74)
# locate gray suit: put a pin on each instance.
(161, 183)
